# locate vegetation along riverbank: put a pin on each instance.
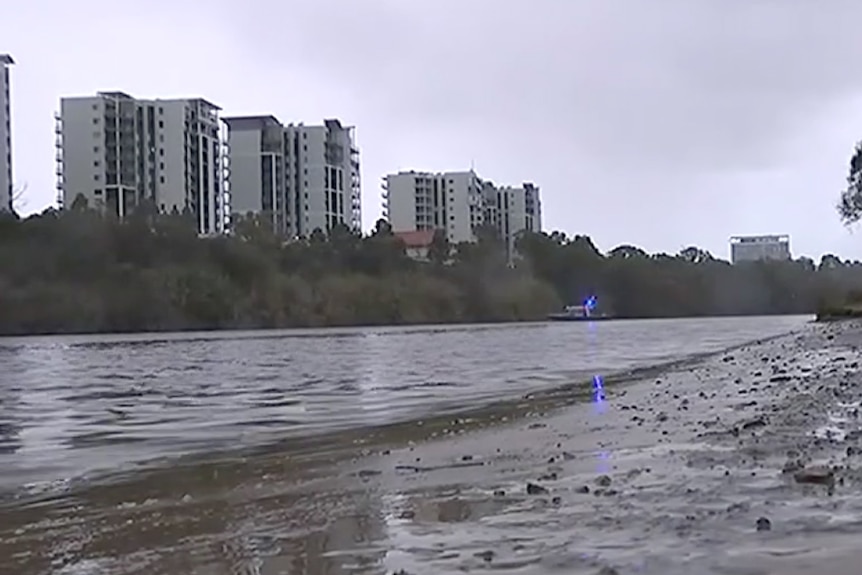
(77, 271)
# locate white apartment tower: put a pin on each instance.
(303, 177)
(513, 210)
(450, 201)
(458, 203)
(6, 182)
(116, 152)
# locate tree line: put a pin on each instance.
(77, 270)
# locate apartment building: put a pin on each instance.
(6, 182)
(754, 248)
(117, 151)
(303, 177)
(449, 201)
(459, 202)
(513, 210)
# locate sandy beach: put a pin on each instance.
(743, 462)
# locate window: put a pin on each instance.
(95, 120)
(96, 177)
(161, 165)
(161, 179)
(96, 149)
(161, 123)
(96, 163)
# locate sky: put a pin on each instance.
(661, 124)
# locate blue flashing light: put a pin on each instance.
(590, 303)
(598, 388)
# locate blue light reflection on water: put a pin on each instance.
(599, 406)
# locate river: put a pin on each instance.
(72, 406)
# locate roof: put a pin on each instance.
(416, 238)
(6, 59)
(250, 122)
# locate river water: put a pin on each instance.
(77, 405)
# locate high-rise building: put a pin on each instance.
(303, 177)
(754, 248)
(6, 182)
(513, 210)
(117, 152)
(458, 203)
(450, 201)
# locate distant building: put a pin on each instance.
(6, 182)
(304, 177)
(117, 151)
(755, 248)
(458, 203)
(451, 201)
(513, 210)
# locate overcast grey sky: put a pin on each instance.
(660, 123)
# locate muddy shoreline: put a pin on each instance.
(692, 470)
(744, 463)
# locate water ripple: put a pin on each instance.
(70, 405)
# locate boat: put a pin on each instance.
(584, 312)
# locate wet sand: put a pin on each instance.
(718, 466)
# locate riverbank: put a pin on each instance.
(746, 461)
(690, 471)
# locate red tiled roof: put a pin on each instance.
(416, 238)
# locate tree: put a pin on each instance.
(81, 270)
(19, 199)
(850, 203)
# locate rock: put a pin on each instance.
(754, 423)
(763, 524)
(603, 480)
(816, 475)
(535, 489)
(367, 473)
(607, 570)
(485, 555)
(583, 489)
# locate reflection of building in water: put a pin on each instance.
(10, 404)
(41, 371)
(378, 360)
